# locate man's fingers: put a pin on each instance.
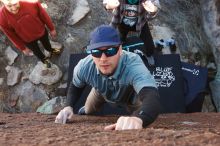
(70, 116)
(59, 118)
(138, 126)
(126, 123)
(64, 118)
(110, 127)
(64, 114)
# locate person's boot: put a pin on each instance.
(47, 63)
(56, 51)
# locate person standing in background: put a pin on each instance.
(25, 23)
(133, 15)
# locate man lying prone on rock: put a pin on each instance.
(116, 76)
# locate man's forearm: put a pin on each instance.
(73, 94)
(150, 107)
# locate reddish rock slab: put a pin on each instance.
(32, 129)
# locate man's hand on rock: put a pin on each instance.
(126, 123)
(64, 115)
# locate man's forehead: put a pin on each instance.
(9, 2)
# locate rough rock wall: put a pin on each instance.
(184, 17)
(211, 21)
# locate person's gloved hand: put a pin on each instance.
(64, 114)
(126, 123)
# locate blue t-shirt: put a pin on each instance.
(131, 75)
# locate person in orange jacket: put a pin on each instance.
(25, 23)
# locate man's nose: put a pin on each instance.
(13, 8)
(103, 57)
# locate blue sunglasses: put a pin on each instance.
(111, 51)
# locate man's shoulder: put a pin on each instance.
(130, 57)
(132, 62)
(86, 62)
(84, 66)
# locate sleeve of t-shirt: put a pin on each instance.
(141, 76)
(78, 75)
(45, 17)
